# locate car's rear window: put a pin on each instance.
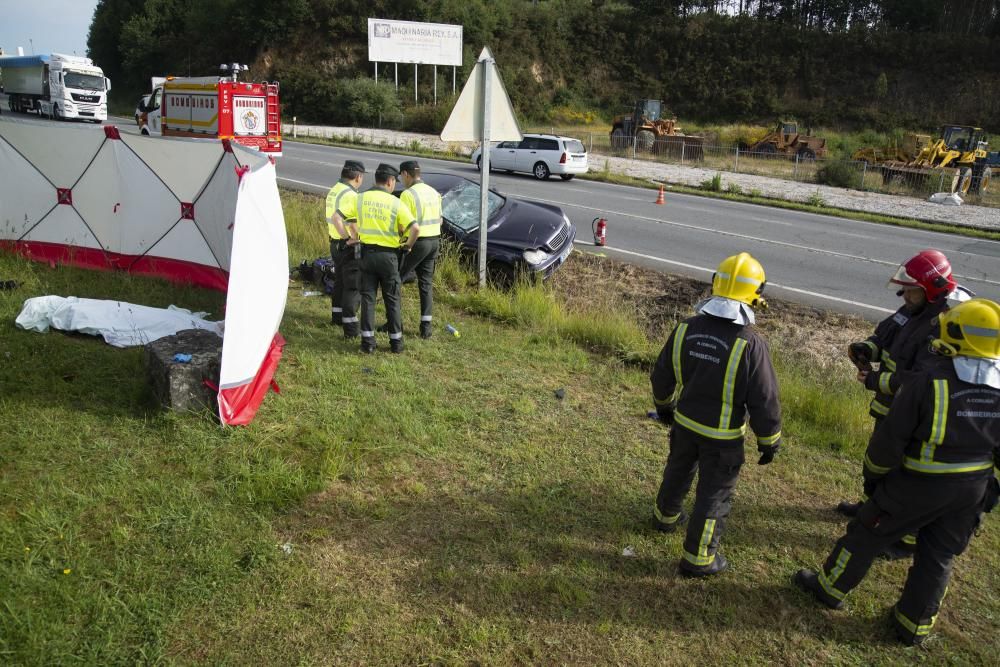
(575, 146)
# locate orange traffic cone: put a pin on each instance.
(659, 197)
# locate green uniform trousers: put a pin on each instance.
(420, 261)
(380, 269)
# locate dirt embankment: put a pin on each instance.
(660, 299)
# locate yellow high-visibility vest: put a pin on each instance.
(382, 219)
(341, 199)
(424, 203)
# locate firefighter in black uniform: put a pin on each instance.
(928, 469)
(341, 218)
(713, 373)
(900, 344)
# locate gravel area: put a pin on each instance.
(980, 217)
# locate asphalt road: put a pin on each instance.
(828, 262)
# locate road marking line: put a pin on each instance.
(292, 180)
(771, 284)
(760, 239)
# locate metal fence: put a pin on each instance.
(976, 185)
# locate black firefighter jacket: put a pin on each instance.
(715, 373)
(938, 425)
(900, 346)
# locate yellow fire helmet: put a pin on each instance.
(741, 278)
(970, 329)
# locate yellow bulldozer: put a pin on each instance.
(646, 128)
(958, 160)
(906, 150)
(785, 140)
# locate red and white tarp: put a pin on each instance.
(201, 212)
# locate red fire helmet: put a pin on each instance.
(928, 269)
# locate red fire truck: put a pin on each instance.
(215, 107)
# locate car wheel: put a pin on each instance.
(501, 274)
(540, 170)
(567, 177)
(983, 185)
(479, 163)
(55, 112)
(144, 132)
(807, 154)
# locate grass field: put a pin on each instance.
(439, 507)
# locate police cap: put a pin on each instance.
(386, 170)
(354, 165)
(411, 166)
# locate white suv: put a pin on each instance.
(538, 154)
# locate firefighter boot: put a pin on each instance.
(396, 345)
(808, 581)
(717, 566)
(906, 635)
(671, 526)
(847, 508)
(425, 330)
(367, 345)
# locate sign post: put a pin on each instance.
(483, 113)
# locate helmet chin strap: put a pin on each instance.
(943, 348)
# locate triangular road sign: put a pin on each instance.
(466, 120)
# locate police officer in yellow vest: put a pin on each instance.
(713, 375)
(384, 227)
(341, 218)
(929, 469)
(424, 203)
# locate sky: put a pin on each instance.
(50, 26)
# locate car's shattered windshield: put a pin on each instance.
(460, 205)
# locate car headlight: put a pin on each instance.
(535, 256)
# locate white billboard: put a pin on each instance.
(412, 42)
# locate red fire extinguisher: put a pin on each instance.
(600, 229)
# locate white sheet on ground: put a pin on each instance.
(121, 324)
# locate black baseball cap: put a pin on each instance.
(354, 165)
(410, 166)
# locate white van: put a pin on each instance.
(538, 154)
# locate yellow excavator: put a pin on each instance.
(646, 127)
(959, 159)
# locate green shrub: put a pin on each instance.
(427, 118)
(839, 174)
(713, 184)
(362, 101)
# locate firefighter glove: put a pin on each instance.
(859, 353)
(665, 413)
(992, 496)
(872, 380)
(767, 454)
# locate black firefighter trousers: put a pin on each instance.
(942, 510)
(380, 269)
(718, 466)
(346, 297)
(420, 261)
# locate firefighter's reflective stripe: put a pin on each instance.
(380, 217)
(883, 383)
(938, 468)
(887, 361)
(708, 431)
(425, 204)
(676, 356)
(769, 440)
(873, 347)
(877, 469)
(909, 539)
(663, 518)
(938, 423)
(740, 279)
(878, 408)
(729, 386)
(338, 201)
(917, 629)
(828, 580)
(722, 432)
(702, 557)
